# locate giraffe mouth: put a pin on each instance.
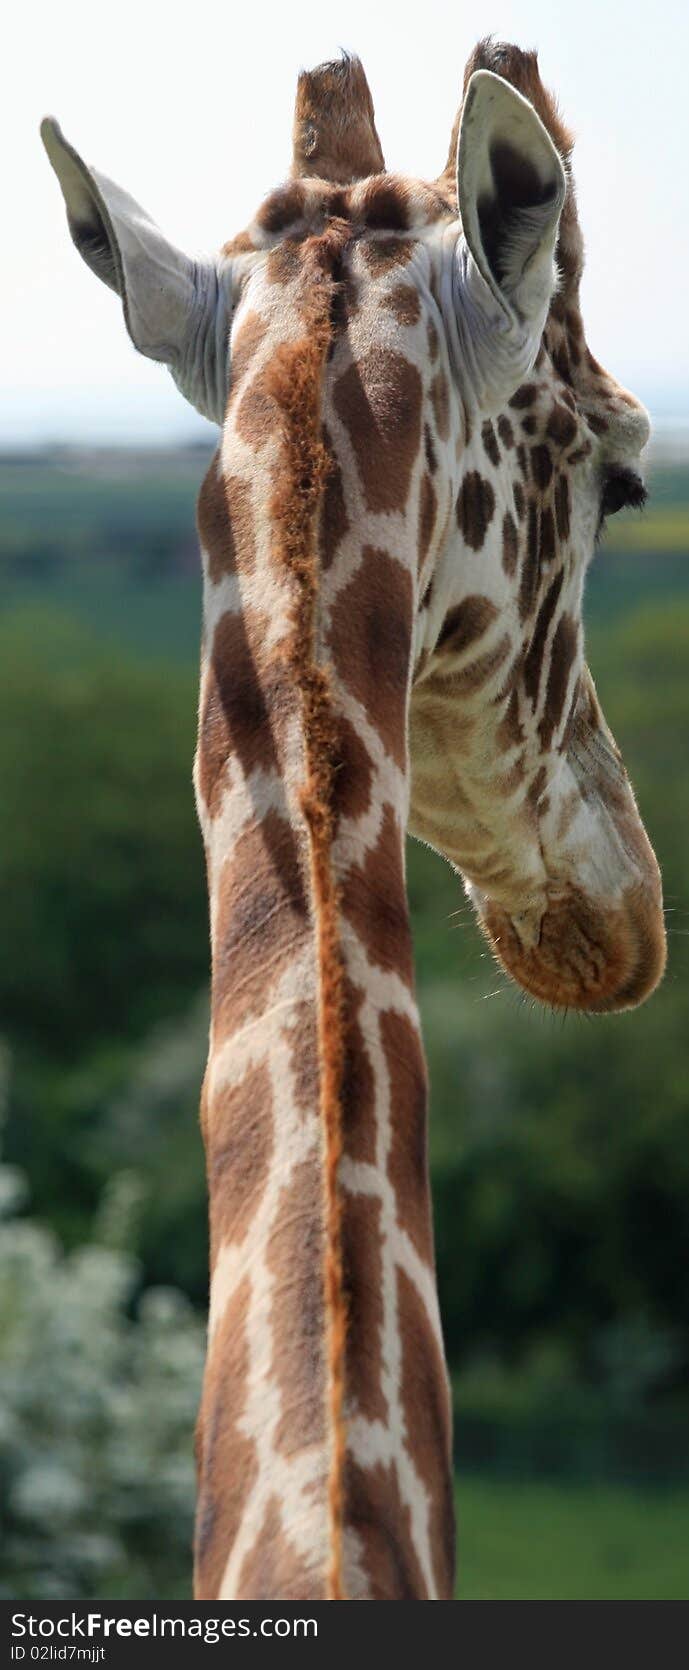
(583, 954)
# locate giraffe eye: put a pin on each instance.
(621, 487)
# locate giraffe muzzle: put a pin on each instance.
(586, 955)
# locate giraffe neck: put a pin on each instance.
(324, 1437)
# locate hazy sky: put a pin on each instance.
(190, 109)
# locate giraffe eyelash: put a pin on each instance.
(622, 489)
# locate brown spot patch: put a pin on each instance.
(440, 400)
(241, 703)
(426, 1407)
(404, 302)
(383, 254)
(408, 1156)
(358, 1084)
(490, 443)
(384, 203)
(377, 1513)
(378, 399)
(372, 655)
(344, 306)
(241, 244)
(510, 544)
(429, 449)
(296, 1257)
(363, 1285)
(534, 660)
(301, 1035)
(274, 1569)
(562, 658)
(562, 506)
(245, 344)
(353, 773)
(505, 431)
(284, 263)
(284, 205)
(433, 340)
(547, 538)
(465, 623)
(257, 413)
(374, 900)
(567, 730)
(260, 921)
(561, 362)
(523, 397)
(541, 466)
(213, 523)
(333, 521)
(428, 507)
(475, 509)
(226, 524)
(227, 1467)
(519, 500)
(239, 1143)
(528, 587)
(523, 460)
(561, 426)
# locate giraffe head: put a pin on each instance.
(463, 395)
(515, 773)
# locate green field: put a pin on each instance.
(547, 1542)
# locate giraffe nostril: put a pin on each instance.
(527, 925)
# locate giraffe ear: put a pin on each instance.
(176, 310)
(510, 188)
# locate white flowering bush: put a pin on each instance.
(98, 1398)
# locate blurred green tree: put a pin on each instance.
(102, 893)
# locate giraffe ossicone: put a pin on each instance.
(417, 450)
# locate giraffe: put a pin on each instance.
(417, 452)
